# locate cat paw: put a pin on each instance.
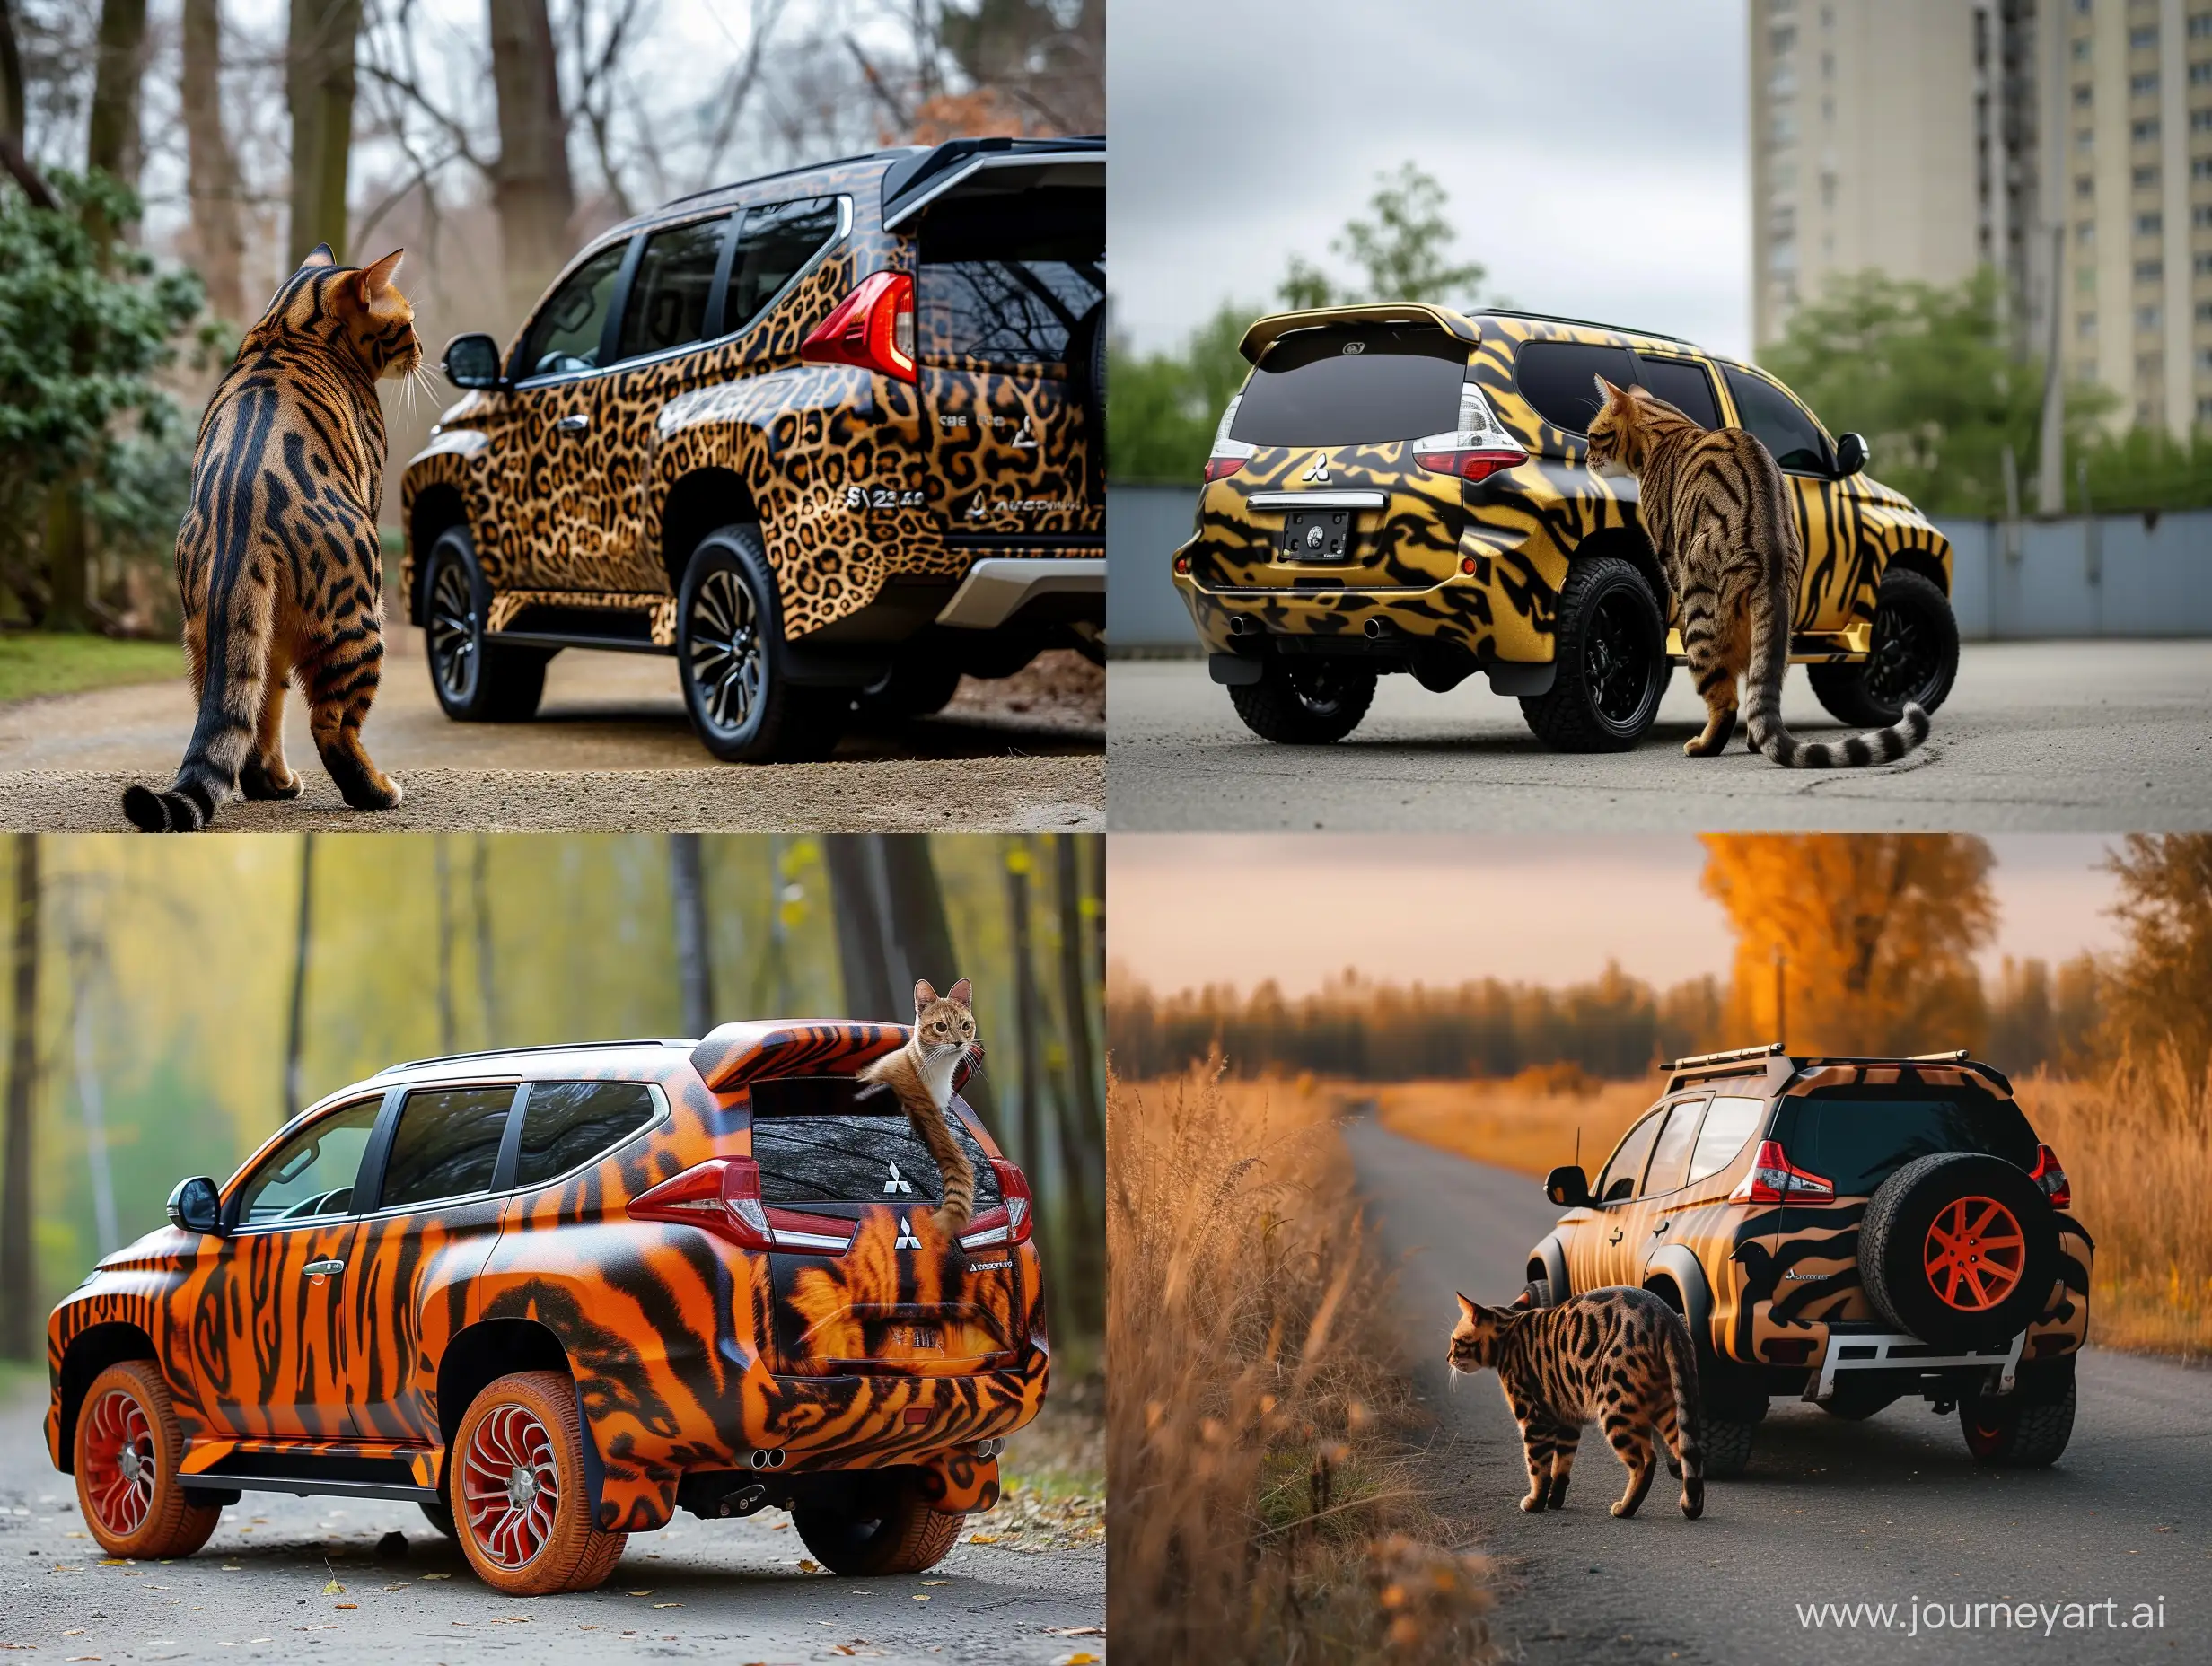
(1533, 1503)
(369, 793)
(1623, 1508)
(257, 782)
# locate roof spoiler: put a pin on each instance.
(733, 1055)
(911, 185)
(1265, 331)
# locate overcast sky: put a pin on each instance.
(1185, 910)
(1594, 150)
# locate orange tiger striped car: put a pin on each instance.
(552, 1294)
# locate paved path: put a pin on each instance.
(1879, 1512)
(2086, 736)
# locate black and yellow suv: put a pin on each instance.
(832, 438)
(1403, 488)
(1847, 1232)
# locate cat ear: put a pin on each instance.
(377, 278)
(1607, 392)
(1467, 1308)
(960, 995)
(924, 993)
(319, 255)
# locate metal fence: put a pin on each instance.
(2095, 575)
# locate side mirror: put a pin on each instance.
(1852, 454)
(196, 1207)
(472, 360)
(1568, 1186)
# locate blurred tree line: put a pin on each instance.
(1845, 943)
(169, 1003)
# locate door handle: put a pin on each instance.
(1615, 1238)
(1660, 1226)
(576, 422)
(319, 1269)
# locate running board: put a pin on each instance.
(577, 639)
(1899, 1351)
(306, 1486)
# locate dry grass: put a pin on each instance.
(1527, 1123)
(1261, 1504)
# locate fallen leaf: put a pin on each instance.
(438, 1576)
(349, 1605)
(113, 1562)
(668, 1605)
(1081, 1657)
(936, 1582)
(983, 1538)
(79, 1632)
(334, 1590)
(809, 1566)
(640, 1593)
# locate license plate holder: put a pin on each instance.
(1317, 535)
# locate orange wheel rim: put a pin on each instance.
(510, 1488)
(1975, 1254)
(118, 1462)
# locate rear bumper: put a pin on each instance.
(998, 587)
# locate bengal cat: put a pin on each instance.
(1623, 1357)
(1714, 507)
(920, 1073)
(278, 558)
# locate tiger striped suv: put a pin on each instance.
(833, 438)
(1404, 488)
(552, 1296)
(1847, 1232)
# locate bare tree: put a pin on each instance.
(11, 80)
(443, 876)
(1082, 1133)
(111, 140)
(531, 184)
(694, 970)
(857, 904)
(19, 1295)
(319, 91)
(295, 1031)
(1028, 1024)
(212, 167)
(480, 883)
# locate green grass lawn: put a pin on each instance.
(34, 662)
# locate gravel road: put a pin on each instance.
(1881, 1511)
(730, 1591)
(2086, 736)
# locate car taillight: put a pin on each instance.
(1473, 463)
(2051, 1177)
(873, 328)
(1774, 1179)
(1010, 1225)
(1477, 449)
(723, 1195)
(1228, 455)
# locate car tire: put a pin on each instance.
(1915, 657)
(441, 1518)
(2027, 1429)
(912, 687)
(477, 680)
(526, 1428)
(1940, 1266)
(1310, 702)
(734, 660)
(1727, 1443)
(883, 1525)
(1610, 661)
(1536, 1292)
(126, 1450)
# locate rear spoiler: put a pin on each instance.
(733, 1055)
(1265, 333)
(912, 185)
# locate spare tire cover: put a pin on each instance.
(1959, 1248)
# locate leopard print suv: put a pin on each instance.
(550, 1295)
(833, 438)
(1848, 1231)
(1407, 489)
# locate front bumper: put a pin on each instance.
(998, 587)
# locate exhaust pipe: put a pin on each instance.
(766, 1458)
(1245, 625)
(1379, 630)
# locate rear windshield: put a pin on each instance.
(1008, 282)
(1857, 1138)
(1354, 385)
(834, 1142)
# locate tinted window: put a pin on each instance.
(313, 1175)
(1781, 424)
(566, 334)
(1684, 386)
(772, 244)
(1006, 282)
(1670, 1157)
(1856, 1138)
(1728, 1126)
(1558, 378)
(667, 307)
(1618, 1182)
(854, 1157)
(447, 1144)
(1354, 386)
(566, 1123)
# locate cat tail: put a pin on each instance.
(1771, 611)
(1688, 1416)
(953, 1168)
(239, 626)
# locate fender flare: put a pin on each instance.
(1551, 1254)
(1676, 1262)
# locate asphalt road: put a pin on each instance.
(610, 749)
(725, 1591)
(2085, 736)
(1883, 1511)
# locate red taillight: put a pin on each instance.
(723, 1195)
(1774, 1179)
(1222, 467)
(2051, 1177)
(873, 328)
(1478, 464)
(1010, 1223)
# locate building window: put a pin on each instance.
(1784, 127)
(2081, 97)
(2202, 266)
(2146, 179)
(2201, 26)
(2200, 121)
(2147, 225)
(2204, 410)
(2081, 50)
(1784, 37)
(2200, 168)
(2145, 132)
(2204, 358)
(2086, 327)
(2149, 271)
(2147, 319)
(1827, 66)
(2142, 39)
(2142, 86)
(2086, 235)
(2086, 279)
(2201, 74)
(2200, 216)
(2203, 311)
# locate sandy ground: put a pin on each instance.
(610, 749)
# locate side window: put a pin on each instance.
(447, 1144)
(1669, 1156)
(566, 334)
(772, 244)
(312, 1176)
(667, 307)
(565, 1124)
(1685, 386)
(1617, 1184)
(1728, 1126)
(1780, 423)
(1558, 378)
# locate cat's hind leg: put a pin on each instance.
(267, 774)
(341, 679)
(1631, 1444)
(1705, 645)
(1540, 1447)
(1688, 1461)
(1566, 1440)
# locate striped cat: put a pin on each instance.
(1714, 507)
(278, 557)
(1623, 1357)
(921, 1073)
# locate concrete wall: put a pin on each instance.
(2111, 575)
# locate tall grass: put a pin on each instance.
(1260, 1503)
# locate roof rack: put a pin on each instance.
(1732, 1056)
(1951, 1057)
(544, 1047)
(1586, 323)
(758, 179)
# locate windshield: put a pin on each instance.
(1353, 385)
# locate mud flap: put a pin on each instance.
(1234, 669)
(1528, 682)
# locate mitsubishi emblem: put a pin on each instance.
(1318, 470)
(907, 1240)
(898, 1181)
